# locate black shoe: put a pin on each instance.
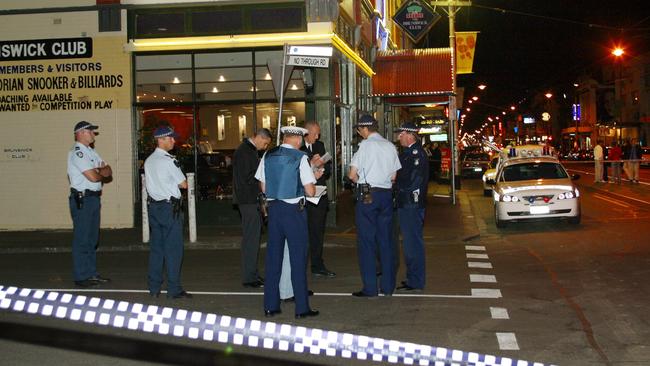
(99, 279)
(86, 283)
(324, 272)
(362, 294)
(387, 294)
(260, 278)
(271, 313)
(182, 295)
(405, 287)
(254, 284)
(307, 314)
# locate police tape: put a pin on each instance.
(236, 331)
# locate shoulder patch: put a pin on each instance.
(80, 154)
(77, 148)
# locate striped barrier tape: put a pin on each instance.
(237, 331)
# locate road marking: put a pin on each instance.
(507, 341)
(476, 293)
(486, 293)
(479, 264)
(482, 278)
(616, 202)
(499, 313)
(477, 256)
(475, 247)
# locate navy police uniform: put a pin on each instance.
(412, 182)
(376, 162)
(85, 207)
(162, 177)
(285, 171)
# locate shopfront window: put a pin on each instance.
(230, 97)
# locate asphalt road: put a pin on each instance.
(563, 294)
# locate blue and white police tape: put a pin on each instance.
(236, 331)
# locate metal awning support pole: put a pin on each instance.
(284, 68)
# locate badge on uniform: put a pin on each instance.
(417, 161)
(80, 154)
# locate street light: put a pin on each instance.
(618, 52)
(548, 95)
(482, 86)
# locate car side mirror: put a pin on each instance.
(491, 182)
(575, 176)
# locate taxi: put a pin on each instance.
(490, 175)
(530, 183)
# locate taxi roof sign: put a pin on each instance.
(526, 151)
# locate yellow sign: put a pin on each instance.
(465, 46)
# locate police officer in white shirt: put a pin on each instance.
(374, 168)
(164, 179)
(86, 172)
(286, 178)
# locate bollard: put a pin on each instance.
(191, 206)
(145, 212)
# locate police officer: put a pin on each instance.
(373, 169)
(286, 178)
(164, 179)
(412, 183)
(86, 172)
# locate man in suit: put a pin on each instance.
(246, 188)
(317, 213)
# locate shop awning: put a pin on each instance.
(413, 73)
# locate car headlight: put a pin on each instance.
(508, 198)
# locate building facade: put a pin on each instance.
(207, 68)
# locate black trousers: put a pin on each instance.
(316, 218)
(251, 223)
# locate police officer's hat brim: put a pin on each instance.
(293, 130)
(83, 125)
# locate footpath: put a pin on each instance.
(444, 223)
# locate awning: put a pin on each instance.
(413, 73)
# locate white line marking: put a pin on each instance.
(479, 264)
(482, 278)
(507, 342)
(616, 202)
(477, 256)
(477, 295)
(499, 313)
(475, 247)
(486, 293)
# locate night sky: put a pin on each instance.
(520, 55)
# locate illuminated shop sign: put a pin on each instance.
(43, 49)
(415, 18)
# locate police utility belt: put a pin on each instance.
(364, 192)
(79, 196)
(177, 203)
(300, 204)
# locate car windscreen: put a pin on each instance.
(531, 171)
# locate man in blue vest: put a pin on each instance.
(286, 178)
(412, 183)
(373, 168)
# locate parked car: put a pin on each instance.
(474, 164)
(533, 187)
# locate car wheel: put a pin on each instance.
(498, 222)
(487, 192)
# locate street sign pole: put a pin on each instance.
(284, 69)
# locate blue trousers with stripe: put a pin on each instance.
(411, 221)
(375, 233)
(166, 248)
(85, 236)
(286, 223)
